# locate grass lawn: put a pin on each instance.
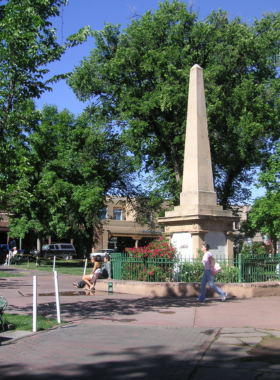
(73, 267)
(25, 322)
(9, 274)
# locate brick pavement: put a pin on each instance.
(106, 352)
(103, 343)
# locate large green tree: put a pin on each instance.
(264, 214)
(64, 176)
(27, 44)
(140, 76)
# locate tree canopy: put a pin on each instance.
(63, 178)
(264, 214)
(139, 76)
(27, 44)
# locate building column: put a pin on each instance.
(198, 238)
(136, 239)
(229, 247)
(105, 238)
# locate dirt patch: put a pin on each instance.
(268, 350)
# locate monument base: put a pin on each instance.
(189, 232)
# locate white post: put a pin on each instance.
(34, 303)
(85, 267)
(57, 297)
(54, 264)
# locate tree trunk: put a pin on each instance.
(39, 249)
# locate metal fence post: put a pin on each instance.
(240, 268)
(34, 303)
(57, 300)
(85, 267)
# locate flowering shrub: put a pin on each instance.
(147, 272)
(151, 263)
(160, 248)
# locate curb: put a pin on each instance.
(14, 340)
(200, 354)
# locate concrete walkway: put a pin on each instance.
(124, 336)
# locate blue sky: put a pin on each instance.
(79, 13)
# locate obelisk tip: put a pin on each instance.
(196, 67)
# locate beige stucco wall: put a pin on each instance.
(177, 289)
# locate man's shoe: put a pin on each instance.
(224, 297)
(199, 300)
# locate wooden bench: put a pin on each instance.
(13, 259)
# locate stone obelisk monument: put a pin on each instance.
(199, 219)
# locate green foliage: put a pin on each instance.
(25, 322)
(153, 271)
(253, 250)
(228, 274)
(151, 263)
(64, 176)
(140, 78)
(4, 274)
(160, 248)
(190, 271)
(27, 44)
(264, 214)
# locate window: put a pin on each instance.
(103, 213)
(67, 246)
(117, 214)
(149, 216)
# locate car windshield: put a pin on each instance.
(45, 246)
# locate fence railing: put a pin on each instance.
(241, 269)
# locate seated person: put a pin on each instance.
(104, 272)
(12, 253)
(107, 268)
(91, 278)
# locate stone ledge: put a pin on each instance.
(192, 289)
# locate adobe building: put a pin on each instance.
(199, 219)
(120, 229)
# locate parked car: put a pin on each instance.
(63, 250)
(101, 253)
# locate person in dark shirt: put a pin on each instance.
(107, 268)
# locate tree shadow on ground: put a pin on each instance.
(95, 307)
(136, 366)
(140, 363)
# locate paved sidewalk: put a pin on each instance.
(111, 352)
(231, 356)
(122, 336)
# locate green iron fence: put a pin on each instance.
(242, 269)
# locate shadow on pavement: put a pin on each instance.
(141, 363)
(136, 366)
(92, 307)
